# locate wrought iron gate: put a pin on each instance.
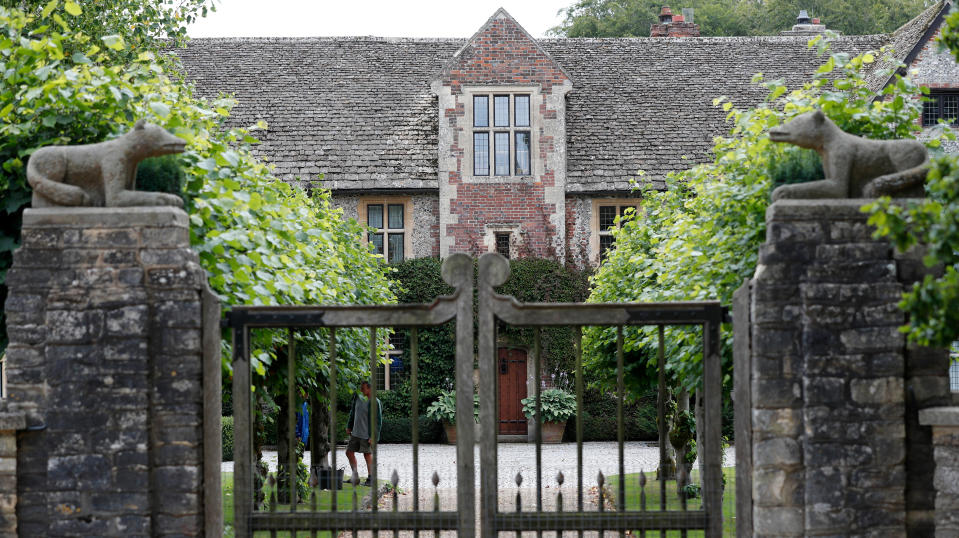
(493, 309)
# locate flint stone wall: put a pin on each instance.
(832, 391)
(114, 342)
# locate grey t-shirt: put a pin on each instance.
(361, 418)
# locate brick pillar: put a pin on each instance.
(833, 391)
(944, 422)
(112, 343)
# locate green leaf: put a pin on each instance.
(72, 8)
(114, 41)
(160, 109)
(48, 9)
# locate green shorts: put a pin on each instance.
(358, 445)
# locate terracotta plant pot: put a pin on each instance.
(450, 433)
(553, 432)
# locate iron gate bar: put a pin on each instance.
(493, 272)
(457, 271)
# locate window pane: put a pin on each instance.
(522, 153)
(930, 110)
(522, 110)
(605, 243)
(381, 378)
(374, 215)
(396, 248)
(377, 240)
(607, 217)
(950, 108)
(502, 154)
(480, 111)
(480, 154)
(396, 216)
(502, 244)
(501, 111)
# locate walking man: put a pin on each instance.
(358, 428)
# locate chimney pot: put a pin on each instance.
(803, 17)
(815, 20)
(665, 15)
(678, 18)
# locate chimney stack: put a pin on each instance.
(674, 25)
(805, 26)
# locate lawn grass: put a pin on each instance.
(632, 497)
(344, 501)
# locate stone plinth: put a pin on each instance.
(832, 390)
(945, 438)
(113, 341)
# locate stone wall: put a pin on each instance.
(833, 390)
(944, 422)
(114, 362)
(425, 238)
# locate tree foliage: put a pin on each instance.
(262, 240)
(698, 239)
(632, 18)
(933, 223)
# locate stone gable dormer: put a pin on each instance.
(502, 144)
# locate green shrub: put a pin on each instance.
(161, 174)
(399, 430)
(444, 408)
(226, 428)
(557, 405)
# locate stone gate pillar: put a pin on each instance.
(827, 391)
(113, 369)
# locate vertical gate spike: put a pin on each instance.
(642, 478)
(600, 479)
(436, 479)
(436, 492)
(560, 478)
(395, 478)
(519, 479)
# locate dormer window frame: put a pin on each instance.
(490, 143)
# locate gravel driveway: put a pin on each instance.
(513, 458)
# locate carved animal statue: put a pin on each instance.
(855, 167)
(101, 174)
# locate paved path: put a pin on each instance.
(513, 458)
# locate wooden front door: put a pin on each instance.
(512, 389)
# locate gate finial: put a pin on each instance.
(493, 269)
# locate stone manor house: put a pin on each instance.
(503, 142)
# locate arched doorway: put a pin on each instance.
(512, 389)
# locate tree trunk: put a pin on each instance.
(283, 453)
(667, 468)
(682, 447)
(319, 436)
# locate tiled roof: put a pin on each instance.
(360, 111)
(903, 41)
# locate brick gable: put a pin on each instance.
(502, 53)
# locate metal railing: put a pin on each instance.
(490, 520)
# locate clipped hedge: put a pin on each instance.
(400, 430)
(226, 429)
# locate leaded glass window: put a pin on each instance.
(501, 111)
(522, 153)
(940, 106)
(607, 221)
(388, 222)
(480, 111)
(501, 154)
(481, 154)
(522, 110)
(502, 243)
(509, 150)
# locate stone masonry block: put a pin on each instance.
(74, 326)
(883, 390)
(778, 521)
(874, 339)
(777, 452)
(127, 321)
(853, 253)
(777, 422)
(776, 487)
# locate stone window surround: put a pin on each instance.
(515, 232)
(594, 221)
(407, 203)
(535, 124)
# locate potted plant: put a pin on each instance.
(444, 410)
(557, 405)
